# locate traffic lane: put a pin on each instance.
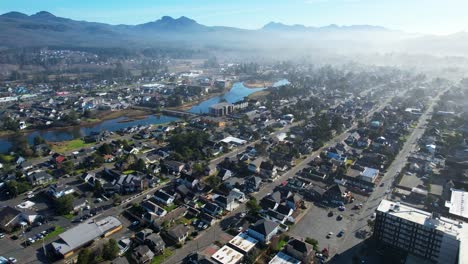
(374, 200)
(10, 248)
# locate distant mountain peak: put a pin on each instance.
(280, 26)
(14, 14)
(44, 14)
(170, 23)
(298, 27)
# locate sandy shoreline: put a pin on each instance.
(257, 84)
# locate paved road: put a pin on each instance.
(350, 244)
(212, 234)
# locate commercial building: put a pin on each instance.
(434, 238)
(73, 239)
(283, 258)
(243, 243)
(221, 109)
(227, 255)
(458, 204)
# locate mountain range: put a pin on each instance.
(45, 29)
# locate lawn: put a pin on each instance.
(68, 216)
(6, 158)
(128, 172)
(58, 230)
(70, 145)
(160, 258)
(184, 220)
(169, 208)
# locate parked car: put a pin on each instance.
(330, 234)
(340, 234)
(339, 217)
(330, 214)
(2, 235)
(341, 208)
(12, 260)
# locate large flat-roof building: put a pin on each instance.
(243, 242)
(421, 233)
(75, 238)
(458, 204)
(221, 109)
(227, 255)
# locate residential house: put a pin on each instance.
(212, 209)
(58, 160)
(263, 230)
(275, 216)
(254, 166)
(178, 233)
(226, 202)
(39, 178)
(142, 254)
(252, 184)
(174, 166)
(141, 236)
(59, 190)
(206, 218)
(237, 195)
(79, 204)
(268, 170)
(156, 243)
(153, 208)
(299, 250)
(9, 218)
(131, 183)
(163, 197)
(197, 258)
(294, 201)
(225, 174)
(336, 194)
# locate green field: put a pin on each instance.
(70, 145)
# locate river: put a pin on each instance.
(237, 93)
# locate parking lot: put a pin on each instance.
(317, 223)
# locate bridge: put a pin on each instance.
(178, 113)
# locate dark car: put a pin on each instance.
(330, 214)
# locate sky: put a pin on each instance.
(421, 16)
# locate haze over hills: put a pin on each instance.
(46, 29)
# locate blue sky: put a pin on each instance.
(425, 16)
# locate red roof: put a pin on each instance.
(59, 159)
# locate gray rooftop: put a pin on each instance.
(84, 233)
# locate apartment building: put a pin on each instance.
(427, 235)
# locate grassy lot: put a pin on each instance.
(6, 158)
(258, 94)
(170, 207)
(58, 230)
(69, 216)
(70, 145)
(184, 220)
(159, 259)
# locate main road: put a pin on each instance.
(349, 246)
(213, 233)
